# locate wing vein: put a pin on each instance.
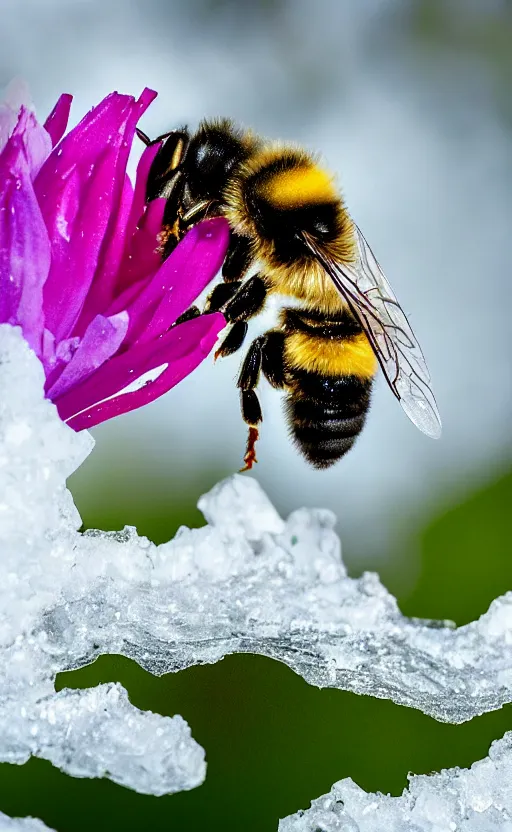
(371, 300)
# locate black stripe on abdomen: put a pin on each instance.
(326, 414)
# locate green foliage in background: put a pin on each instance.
(272, 742)
(466, 556)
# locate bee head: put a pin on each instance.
(214, 153)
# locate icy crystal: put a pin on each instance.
(91, 733)
(478, 799)
(22, 824)
(246, 582)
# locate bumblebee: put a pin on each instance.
(287, 216)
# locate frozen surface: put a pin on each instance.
(246, 582)
(43, 570)
(22, 824)
(478, 799)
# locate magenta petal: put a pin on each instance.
(119, 229)
(36, 141)
(139, 197)
(80, 262)
(76, 233)
(103, 290)
(152, 219)
(127, 297)
(101, 341)
(24, 246)
(103, 127)
(142, 256)
(56, 123)
(94, 154)
(179, 281)
(173, 356)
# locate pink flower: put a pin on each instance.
(79, 267)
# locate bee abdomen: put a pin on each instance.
(326, 415)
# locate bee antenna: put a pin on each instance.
(143, 137)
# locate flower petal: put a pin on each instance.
(36, 141)
(94, 154)
(139, 197)
(129, 295)
(105, 286)
(24, 246)
(114, 389)
(102, 290)
(142, 256)
(101, 341)
(57, 122)
(76, 232)
(179, 281)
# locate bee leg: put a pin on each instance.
(250, 450)
(266, 355)
(248, 300)
(221, 295)
(239, 302)
(233, 340)
(251, 414)
(217, 300)
(273, 363)
(250, 406)
(188, 315)
(239, 258)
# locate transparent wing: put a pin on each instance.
(371, 299)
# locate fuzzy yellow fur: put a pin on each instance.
(337, 357)
(305, 279)
(305, 184)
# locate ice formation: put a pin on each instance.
(92, 733)
(478, 799)
(246, 582)
(22, 824)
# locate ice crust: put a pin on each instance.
(22, 824)
(478, 799)
(246, 582)
(91, 733)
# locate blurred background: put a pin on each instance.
(409, 102)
